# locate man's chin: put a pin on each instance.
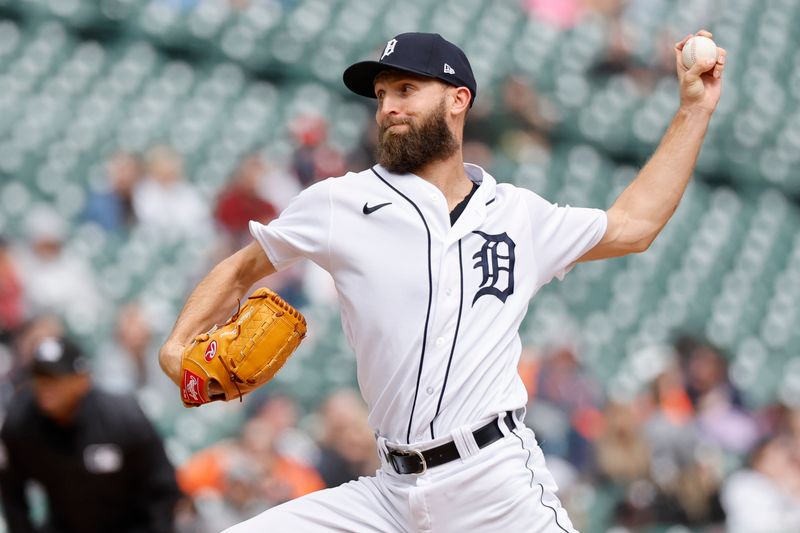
(397, 168)
(394, 133)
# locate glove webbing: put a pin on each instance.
(232, 375)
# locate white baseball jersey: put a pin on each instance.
(432, 311)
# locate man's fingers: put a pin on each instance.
(720, 66)
(704, 33)
(679, 44)
(699, 68)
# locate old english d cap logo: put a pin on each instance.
(389, 48)
(425, 54)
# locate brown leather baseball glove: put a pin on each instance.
(244, 353)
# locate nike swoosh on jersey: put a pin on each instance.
(368, 210)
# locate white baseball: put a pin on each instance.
(699, 48)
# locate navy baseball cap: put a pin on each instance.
(55, 356)
(425, 54)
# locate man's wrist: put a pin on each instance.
(695, 111)
(170, 358)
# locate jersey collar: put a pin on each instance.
(475, 212)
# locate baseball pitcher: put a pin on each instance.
(435, 264)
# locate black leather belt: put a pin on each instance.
(417, 462)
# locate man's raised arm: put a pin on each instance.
(644, 207)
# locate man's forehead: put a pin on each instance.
(389, 76)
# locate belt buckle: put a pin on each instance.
(409, 453)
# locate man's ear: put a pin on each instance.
(460, 98)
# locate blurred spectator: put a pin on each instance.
(717, 403)
(764, 498)
(280, 412)
(685, 467)
(53, 279)
(655, 490)
(11, 297)
(33, 332)
(564, 410)
(313, 158)
(560, 13)
(241, 497)
(347, 442)
(98, 459)
(671, 433)
(240, 202)
(525, 107)
(111, 207)
(283, 478)
(792, 425)
(517, 124)
(17, 355)
(623, 462)
(623, 454)
(478, 153)
(164, 201)
(257, 190)
(236, 480)
(127, 364)
(363, 155)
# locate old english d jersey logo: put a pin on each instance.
(495, 260)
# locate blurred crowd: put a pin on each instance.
(272, 460)
(686, 449)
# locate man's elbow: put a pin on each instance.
(632, 232)
(642, 245)
(640, 235)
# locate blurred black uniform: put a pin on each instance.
(106, 472)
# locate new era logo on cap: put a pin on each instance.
(425, 54)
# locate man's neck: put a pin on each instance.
(449, 177)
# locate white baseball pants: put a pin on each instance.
(504, 487)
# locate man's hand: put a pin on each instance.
(700, 85)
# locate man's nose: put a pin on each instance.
(388, 106)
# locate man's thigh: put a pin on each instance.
(357, 506)
(505, 488)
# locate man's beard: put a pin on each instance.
(430, 141)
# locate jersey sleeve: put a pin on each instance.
(561, 235)
(302, 230)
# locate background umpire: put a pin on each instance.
(99, 460)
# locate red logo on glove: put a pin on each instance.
(193, 387)
(211, 351)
